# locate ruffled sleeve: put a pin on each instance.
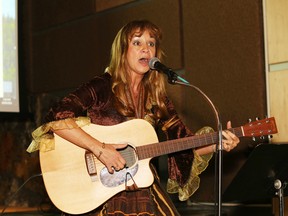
(184, 167)
(43, 137)
(200, 163)
(77, 109)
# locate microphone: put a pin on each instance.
(155, 64)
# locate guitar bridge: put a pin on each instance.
(91, 165)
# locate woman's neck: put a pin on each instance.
(136, 92)
(135, 84)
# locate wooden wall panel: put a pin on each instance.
(64, 57)
(278, 99)
(277, 64)
(48, 14)
(277, 73)
(101, 5)
(224, 57)
(79, 47)
(277, 31)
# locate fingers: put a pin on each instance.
(112, 158)
(230, 140)
(230, 137)
(229, 124)
(122, 160)
(116, 167)
(228, 145)
(111, 169)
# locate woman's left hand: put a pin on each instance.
(230, 140)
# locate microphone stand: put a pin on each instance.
(173, 79)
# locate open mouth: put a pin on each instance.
(144, 60)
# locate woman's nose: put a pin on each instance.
(145, 48)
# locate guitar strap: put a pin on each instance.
(132, 187)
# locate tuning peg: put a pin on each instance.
(249, 120)
(270, 136)
(254, 139)
(257, 118)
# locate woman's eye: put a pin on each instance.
(151, 44)
(136, 43)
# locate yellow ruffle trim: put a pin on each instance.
(43, 138)
(200, 163)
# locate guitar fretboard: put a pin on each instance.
(171, 146)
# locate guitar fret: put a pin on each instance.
(170, 146)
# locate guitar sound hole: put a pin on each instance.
(119, 177)
(129, 155)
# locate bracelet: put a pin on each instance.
(100, 152)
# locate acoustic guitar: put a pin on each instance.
(77, 182)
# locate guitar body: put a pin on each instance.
(68, 183)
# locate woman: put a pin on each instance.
(127, 90)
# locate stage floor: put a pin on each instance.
(185, 209)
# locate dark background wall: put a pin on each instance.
(216, 45)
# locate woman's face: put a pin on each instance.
(141, 49)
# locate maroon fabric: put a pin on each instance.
(94, 99)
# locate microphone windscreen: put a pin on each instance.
(152, 62)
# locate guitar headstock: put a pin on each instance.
(260, 127)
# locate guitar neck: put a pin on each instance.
(171, 146)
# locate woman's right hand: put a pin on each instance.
(109, 156)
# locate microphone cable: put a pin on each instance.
(16, 192)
